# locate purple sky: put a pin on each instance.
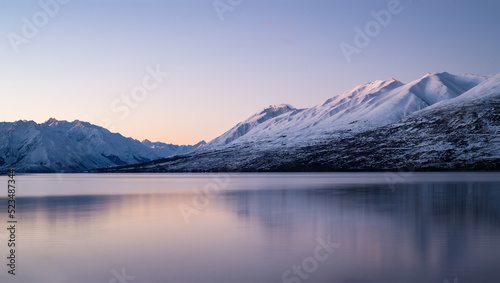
(105, 61)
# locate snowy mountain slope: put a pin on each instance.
(489, 88)
(66, 146)
(365, 107)
(164, 149)
(436, 87)
(251, 123)
(462, 133)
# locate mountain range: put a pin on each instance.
(438, 122)
(73, 146)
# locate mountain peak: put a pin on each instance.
(437, 74)
(270, 112)
(488, 88)
(278, 107)
(79, 123)
(387, 81)
(374, 87)
(377, 85)
(436, 87)
(51, 121)
(467, 77)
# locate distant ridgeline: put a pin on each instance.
(61, 146)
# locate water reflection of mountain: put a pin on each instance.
(443, 203)
(431, 224)
(78, 216)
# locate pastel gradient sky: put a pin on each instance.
(90, 52)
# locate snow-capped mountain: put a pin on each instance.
(67, 146)
(367, 106)
(459, 133)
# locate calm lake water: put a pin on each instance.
(259, 228)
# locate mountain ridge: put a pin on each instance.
(460, 133)
(59, 145)
(366, 106)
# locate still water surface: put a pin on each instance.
(420, 227)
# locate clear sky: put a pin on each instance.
(91, 59)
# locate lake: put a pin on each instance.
(255, 228)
